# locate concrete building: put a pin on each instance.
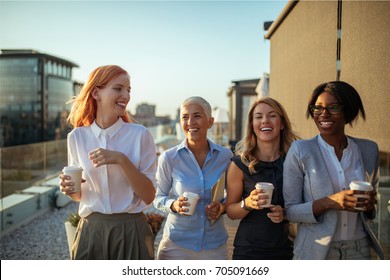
(241, 94)
(305, 51)
(145, 114)
(313, 42)
(34, 89)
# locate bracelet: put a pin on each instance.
(173, 209)
(243, 206)
(222, 209)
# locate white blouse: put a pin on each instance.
(106, 189)
(349, 168)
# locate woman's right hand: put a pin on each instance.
(177, 205)
(344, 200)
(66, 186)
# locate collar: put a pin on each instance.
(326, 146)
(261, 165)
(110, 131)
(184, 145)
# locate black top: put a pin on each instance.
(257, 236)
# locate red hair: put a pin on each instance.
(83, 111)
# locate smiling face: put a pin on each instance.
(112, 99)
(194, 122)
(329, 124)
(266, 123)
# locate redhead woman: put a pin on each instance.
(118, 160)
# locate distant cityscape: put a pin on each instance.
(34, 91)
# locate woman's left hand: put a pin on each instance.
(101, 156)
(214, 210)
(276, 215)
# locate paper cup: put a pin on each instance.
(193, 200)
(268, 188)
(361, 186)
(75, 174)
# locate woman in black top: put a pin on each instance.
(259, 157)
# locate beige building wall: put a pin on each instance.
(303, 55)
(365, 63)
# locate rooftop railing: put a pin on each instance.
(24, 165)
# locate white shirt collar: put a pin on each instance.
(110, 131)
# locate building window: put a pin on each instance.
(49, 68)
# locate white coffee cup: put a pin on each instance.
(192, 198)
(75, 176)
(268, 188)
(361, 186)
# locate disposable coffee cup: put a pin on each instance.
(268, 188)
(75, 176)
(193, 200)
(361, 186)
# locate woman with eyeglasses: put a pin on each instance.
(317, 173)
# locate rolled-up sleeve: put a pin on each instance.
(163, 200)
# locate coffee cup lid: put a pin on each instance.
(72, 168)
(360, 186)
(264, 185)
(190, 194)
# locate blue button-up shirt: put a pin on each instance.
(178, 172)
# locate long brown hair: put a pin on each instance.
(247, 148)
(83, 111)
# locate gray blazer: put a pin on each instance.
(304, 171)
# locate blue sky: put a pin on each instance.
(172, 49)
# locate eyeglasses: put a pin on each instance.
(333, 110)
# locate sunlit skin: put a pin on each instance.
(332, 130)
(195, 124)
(111, 102)
(267, 125)
(331, 126)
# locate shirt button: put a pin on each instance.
(345, 225)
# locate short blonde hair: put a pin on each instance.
(199, 101)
